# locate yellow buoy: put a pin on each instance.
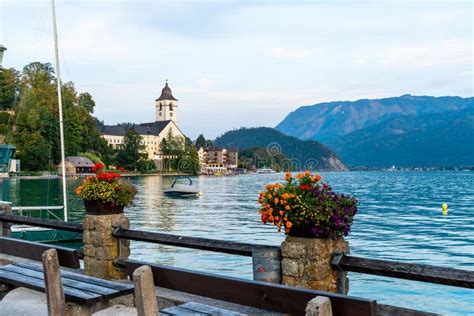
(444, 209)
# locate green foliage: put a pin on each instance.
(33, 94)
(201, 141)
(182, 155)
(257, 157)
(131, 155)
(8, 88)
(302, 154)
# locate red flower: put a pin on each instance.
(304, 187)
(98, 166)
(325, 186)
(121, 169)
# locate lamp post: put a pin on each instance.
(2, 49)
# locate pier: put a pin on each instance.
(175, 287)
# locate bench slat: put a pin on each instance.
(34, 250)
(178, 310)
(121, 288)
(209, 309)
(36, 284)
(67, 283)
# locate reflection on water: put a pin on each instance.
(399, 219)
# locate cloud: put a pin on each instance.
(291, 53)
(205, 83)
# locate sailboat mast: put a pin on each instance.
(60, 105)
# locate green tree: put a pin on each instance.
(36, 108)
(85, 101)
(201, 141)
(131, 155)
(8, 88)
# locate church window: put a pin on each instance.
(171, 114)
(159, 113)
(171, 106)
(161, 106)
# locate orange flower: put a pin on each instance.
(269, 196)
(276, 201)
(288, 224)
(287, 176)
(287, 207)
(281, 212)
(300, 176)
(277, 218)
(307, 173)
(318, 177)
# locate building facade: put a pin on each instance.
(218, 160)
(152, 134)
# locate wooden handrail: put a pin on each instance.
(223, 246)
(404, 270)
(39, 222)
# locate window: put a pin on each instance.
(171, 106)
(171, 114)
(159, 114)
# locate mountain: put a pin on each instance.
(302, 154)
(325, 121)
(429, 140)
(260, 157)
(404, 131)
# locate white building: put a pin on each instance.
(166, 121)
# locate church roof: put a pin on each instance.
(154, 128)
(166, 94)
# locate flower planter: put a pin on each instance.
(306, 262)
(97, 207)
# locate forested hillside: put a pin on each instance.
(303, 154)
(29, 118)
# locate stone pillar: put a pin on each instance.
(306, 262)
(101, 248)
(5, 228)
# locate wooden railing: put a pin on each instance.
(394, 269)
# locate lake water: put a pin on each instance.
(399, 219)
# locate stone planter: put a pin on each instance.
(97, 207)
(306, 262)
(101, 248)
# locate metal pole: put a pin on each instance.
(60, 104)
(2, 49)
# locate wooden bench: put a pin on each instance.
(84, 294)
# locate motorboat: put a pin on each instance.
(265, 170)
(178, 189)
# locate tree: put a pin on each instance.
(201, 141)
(131, 152)
(184, 157)
(33, 94)
(8, 88)
(85, 100)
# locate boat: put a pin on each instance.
(181, 189)
(265, 170)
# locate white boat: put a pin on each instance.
(265, 170)
(181, 189)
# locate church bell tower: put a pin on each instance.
(166, 106)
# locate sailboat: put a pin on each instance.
(40, 234)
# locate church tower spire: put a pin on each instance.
(166, 106)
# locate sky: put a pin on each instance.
(244, 63)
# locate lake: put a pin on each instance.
(399, 219)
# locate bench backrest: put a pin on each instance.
(268, 296)
(33, 250)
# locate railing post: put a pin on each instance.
(5, 229)
(307, 263)
(266, 265)
(102, 248)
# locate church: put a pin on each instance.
(166, 121)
